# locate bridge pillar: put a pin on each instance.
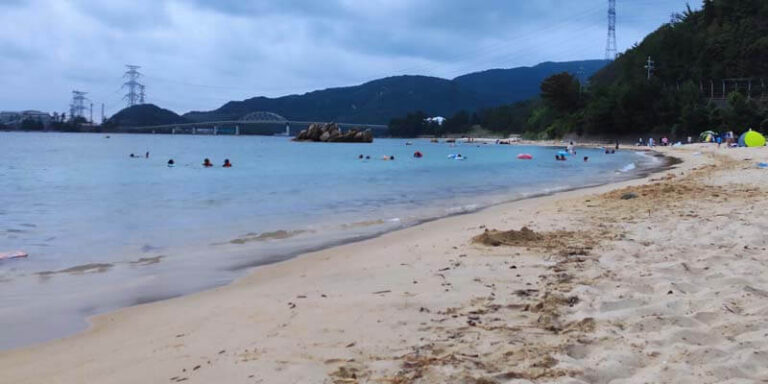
(237, 130)
(194, 130)
(215, 130)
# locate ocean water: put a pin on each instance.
(104, 230)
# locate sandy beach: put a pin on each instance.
(661, 279)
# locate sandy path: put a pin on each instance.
(670, 286)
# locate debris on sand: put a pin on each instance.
(495, 238)
(629, 196)
(567, 243)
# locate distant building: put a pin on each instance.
(9, 117)
(15, 118)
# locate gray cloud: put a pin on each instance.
(198, 54)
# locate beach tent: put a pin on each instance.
(751, 139)
(708, 136)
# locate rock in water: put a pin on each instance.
(331, 133)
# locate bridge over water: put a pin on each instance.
(256, 123)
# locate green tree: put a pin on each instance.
(561, 92)
(31, 125)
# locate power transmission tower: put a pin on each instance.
(142, 94)
(77, 107)
(135, 93)
(650, 67)
(610, 45)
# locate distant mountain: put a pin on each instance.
(495, 87)
(378, 101)
(144, 115)
(374, 102)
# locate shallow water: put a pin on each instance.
(104, 230)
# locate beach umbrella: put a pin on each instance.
(751, 139)
(707, 136)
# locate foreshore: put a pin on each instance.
(659, 279)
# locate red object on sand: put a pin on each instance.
(525, 156)
(12, 255)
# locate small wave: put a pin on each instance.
(266, 236)
(370, 223)
(80, 269)
(146, 261)
(462, 209)
(627, 168)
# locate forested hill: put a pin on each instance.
(380, 100)
(725, 39)
(495, 87)
(144, 115)
(725, 42)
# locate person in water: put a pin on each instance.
(360, 157)
(207, 163)
(171, 163)
(227, 164)
(586, 158)
(146, 155)
(132, 155)
(418, 155)
(368, 157)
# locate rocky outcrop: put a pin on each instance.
(331, 133)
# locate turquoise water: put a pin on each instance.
(104, 230)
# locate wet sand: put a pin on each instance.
(662, 279)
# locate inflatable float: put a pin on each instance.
(13, 255)
(525, 156)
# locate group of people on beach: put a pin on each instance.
(662, 141)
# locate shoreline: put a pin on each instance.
(307, 324)
(246, 268)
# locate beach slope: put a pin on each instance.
(662, 279)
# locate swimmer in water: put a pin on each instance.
(207, 163)
(171, 163)
(227, 164)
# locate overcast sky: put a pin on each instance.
(198, 54)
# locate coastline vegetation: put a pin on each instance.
(710, 69)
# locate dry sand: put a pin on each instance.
(657, 280)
